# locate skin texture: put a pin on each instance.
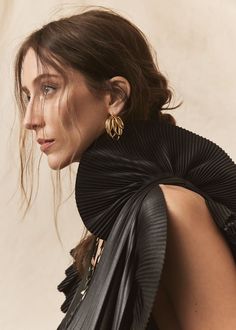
(198, 284)
(47, 113)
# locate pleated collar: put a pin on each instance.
(111, 171)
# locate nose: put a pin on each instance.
(33, 117)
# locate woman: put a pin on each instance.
(158, 200)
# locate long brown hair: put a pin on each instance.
(100, 44)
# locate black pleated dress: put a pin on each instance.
(119, 199)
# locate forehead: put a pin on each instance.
(33, 71)
(32, 68)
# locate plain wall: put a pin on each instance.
(195, 45)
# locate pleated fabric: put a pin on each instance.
(69, 285)
(119, 199)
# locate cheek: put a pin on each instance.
(61, 117)
(67, 119)
(83, 121)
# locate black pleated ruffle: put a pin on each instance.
(111, 171)
(69, 285)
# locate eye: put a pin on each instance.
(48, 89)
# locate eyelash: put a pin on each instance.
(47, 86)
(43, 88)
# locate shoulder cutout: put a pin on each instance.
(181, 202)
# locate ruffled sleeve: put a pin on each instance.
(69, 285)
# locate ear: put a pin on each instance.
(119, 95)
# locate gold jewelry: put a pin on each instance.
(114, 126)
(93, 264)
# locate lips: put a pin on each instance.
(45, 143)
(42, 141)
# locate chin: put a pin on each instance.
(55, 165)
(58, 163)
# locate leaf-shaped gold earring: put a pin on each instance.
(114, 126)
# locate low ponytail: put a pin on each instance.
(82, 251)
(167, 117)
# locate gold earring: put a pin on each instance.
(114, 126)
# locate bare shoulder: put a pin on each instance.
(182, 195)
(182, 201)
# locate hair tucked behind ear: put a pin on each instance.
(100, 44)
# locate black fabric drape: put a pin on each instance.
(119, 200)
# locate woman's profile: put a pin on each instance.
(158, 201)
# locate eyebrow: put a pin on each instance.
(38, 78)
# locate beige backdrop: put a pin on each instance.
(195, 44)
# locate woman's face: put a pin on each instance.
(64, 134)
